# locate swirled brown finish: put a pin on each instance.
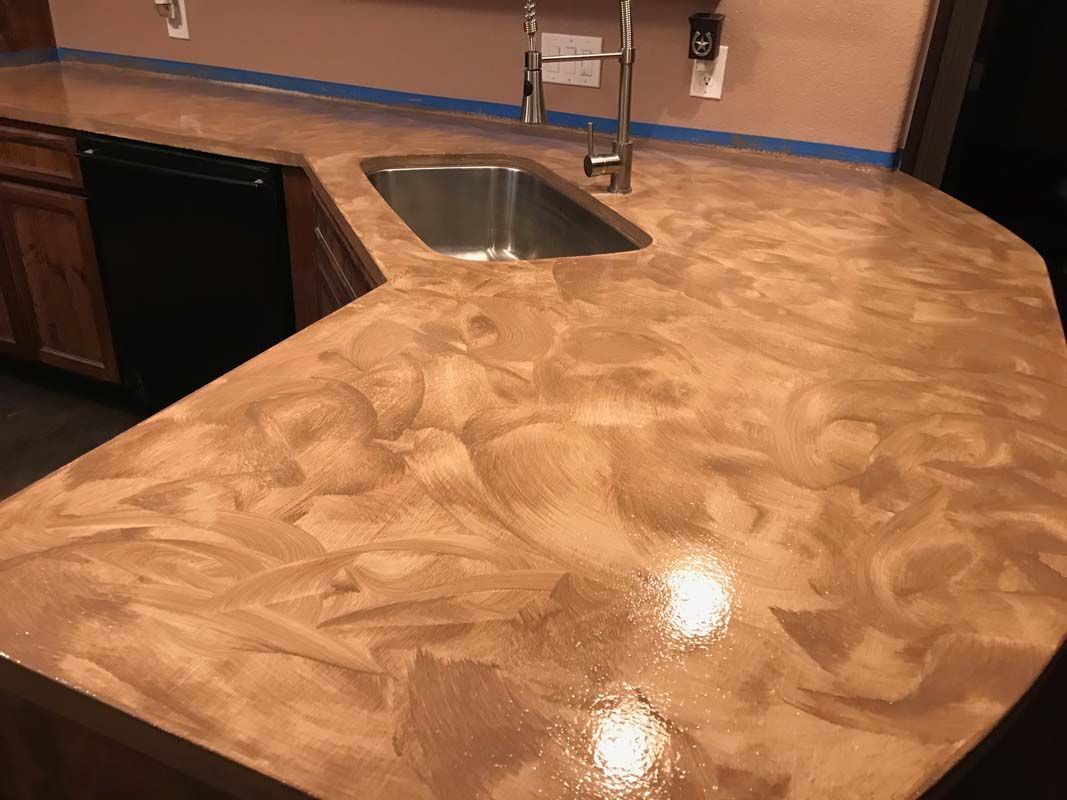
(775, 507)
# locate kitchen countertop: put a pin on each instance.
(776, 507)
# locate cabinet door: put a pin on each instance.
(14, 340)
(327, 273)
(339, 272)
(11, 342)
(8, 341)
(331, 290)
(50, 250)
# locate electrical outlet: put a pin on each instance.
(572, 73)
(708, 77)
(178, 27)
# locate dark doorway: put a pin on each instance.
(1009, 154)
(991, 129)
(1006, 153)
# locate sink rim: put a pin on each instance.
(638, 237)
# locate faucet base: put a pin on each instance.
(621, 182)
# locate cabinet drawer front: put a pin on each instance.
(39, 156)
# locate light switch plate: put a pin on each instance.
(709, 76)
(572, 73)
(178, 28)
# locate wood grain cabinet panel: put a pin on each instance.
(50, 252)
(10, 341)
(7, 325)
(12, 336)
(15, 336)
(42, 156)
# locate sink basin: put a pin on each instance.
(499, 209)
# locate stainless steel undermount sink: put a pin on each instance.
(498, 208)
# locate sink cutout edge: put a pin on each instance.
(627, 229)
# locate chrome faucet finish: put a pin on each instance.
(619, 162)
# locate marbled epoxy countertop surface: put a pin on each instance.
(776, 507)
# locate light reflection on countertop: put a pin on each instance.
(699, 601)
(629, 743)
(627, 747)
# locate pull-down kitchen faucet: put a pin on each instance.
(620, 161)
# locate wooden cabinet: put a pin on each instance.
(52, 307)
(328, 273)
(13, 338)
(8, 340)
(340, 276)
(54, 299)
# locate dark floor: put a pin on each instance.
(1009, 153)
(48, 420)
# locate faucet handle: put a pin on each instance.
(609, 164)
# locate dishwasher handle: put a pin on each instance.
(89, 154)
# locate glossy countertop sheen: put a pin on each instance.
(775, 508)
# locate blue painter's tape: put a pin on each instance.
(368, 94)
(21, 58)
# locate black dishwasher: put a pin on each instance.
(194, 256)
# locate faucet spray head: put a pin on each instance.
(533, 88)
(533, 91)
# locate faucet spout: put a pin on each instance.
(619, 162)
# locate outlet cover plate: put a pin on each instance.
(709, 76)
(572, 73)
(178, 28)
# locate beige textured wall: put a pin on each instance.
(833, 71)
